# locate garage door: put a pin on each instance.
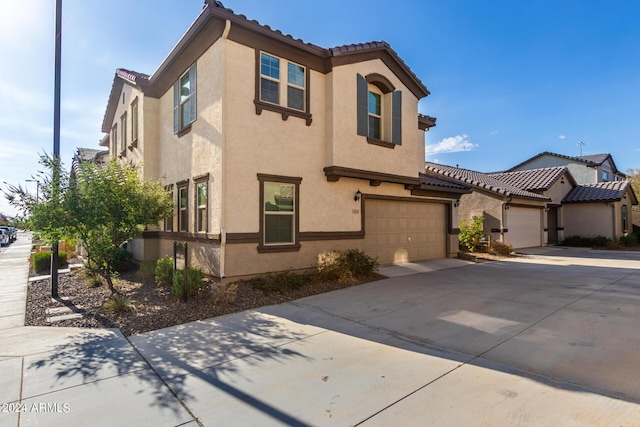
(401, 231)
(525, 227)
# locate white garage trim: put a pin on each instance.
(402, 230)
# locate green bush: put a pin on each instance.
(629, 240)
(586, 242)
(195, 282)
(346, 265)
(471, 235)
(278, 282)
(42, 260)
(122, 260)
(164, 271)
(500, 249)
(119, 304)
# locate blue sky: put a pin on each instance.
(508, 78)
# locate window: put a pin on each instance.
(114, 137)
(168, 223)
(134, 121)
(279, 212)
(375, 114)
(183, 209)
(201, 206)
(270, 82)
(184, 100)
(605, 176)
(123, 126)
(625, 219)
(379, 110)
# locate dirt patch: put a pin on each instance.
(155, 307)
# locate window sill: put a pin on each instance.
(185, 130)
(278, 248)
(286, 112)
(381, 143)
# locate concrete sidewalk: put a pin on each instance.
(52, 376)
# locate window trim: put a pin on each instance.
(134, 122)
(277, 247)
(204, 179)
(391, 109)
(180, 186)
(123, 131)
(168, 223)
(179, 127)
(114, 139)
(285, 112)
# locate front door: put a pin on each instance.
(552, 226)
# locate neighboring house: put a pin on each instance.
(511, 214)
(584, 169)
(275, 150)
(602, 209)
(554, 183)
(87, 155)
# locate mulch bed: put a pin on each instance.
(155, 307)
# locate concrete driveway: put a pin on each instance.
(550, 338)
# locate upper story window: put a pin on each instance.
(272, 79)
(184, 100)
(605, 176)
(123, 126)
(379, 110)
(134, 121)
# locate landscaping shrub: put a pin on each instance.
(471, 234)
(147, 270)
(164, 271)
(42, 260)
(500, 249)
(195, 282)
(629, 240)
(586, 242)
(224, 294)
(119, 304)
(346, 265)
(278, 282)
(122, 260)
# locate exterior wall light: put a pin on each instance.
(357, 196)
(507, 206)
(456, 203)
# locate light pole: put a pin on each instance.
(37, 188)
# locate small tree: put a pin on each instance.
(470, 235)
(109, 205)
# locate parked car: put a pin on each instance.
(4, 237)
(11, 232)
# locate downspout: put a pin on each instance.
(503, 225)
(223, 172)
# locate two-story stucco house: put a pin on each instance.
(275, 150)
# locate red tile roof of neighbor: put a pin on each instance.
(533, 179)
(435, 181)
(601, 192)
(481, 181)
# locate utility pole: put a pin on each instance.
(580, 144)
(56, 141)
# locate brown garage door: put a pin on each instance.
(401, 231)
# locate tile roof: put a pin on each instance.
(532, 179)
(591, 160)
(436, 181)
(133, 76)
(600, 192)
(482, 181)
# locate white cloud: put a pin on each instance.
(450, 144)
(562, 137)
(495, 132)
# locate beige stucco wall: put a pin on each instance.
(559, 190)
(347, 148)
(589, 219)
(489, 206)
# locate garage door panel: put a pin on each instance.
(401, 231)
(525, 227)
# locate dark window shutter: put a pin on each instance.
(396, 117)
(363, 110)
(192, 93)
(176, 107)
